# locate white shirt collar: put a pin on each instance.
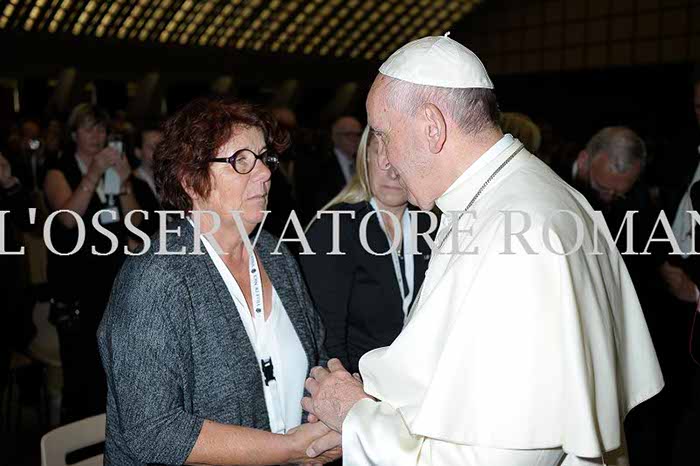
(465, 187)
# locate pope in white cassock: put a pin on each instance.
(513, 353)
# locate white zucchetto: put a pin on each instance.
(437, 61)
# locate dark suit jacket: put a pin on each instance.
(357, 294)
(691, 264)
(317, 181)
(176, 352)
(672, 170)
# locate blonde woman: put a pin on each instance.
(364, 296)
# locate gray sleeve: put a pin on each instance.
(144, 354)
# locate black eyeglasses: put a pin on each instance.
(243, 160)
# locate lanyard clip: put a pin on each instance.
(268, 370)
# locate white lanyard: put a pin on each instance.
(406, 296)
(262, 346)
(99, 189)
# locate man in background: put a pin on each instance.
(678, 176)
(609, 173)
(319, 179)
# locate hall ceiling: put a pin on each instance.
(342, 29)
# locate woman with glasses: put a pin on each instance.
(209, 336)
(365, 296)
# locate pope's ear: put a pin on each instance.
(138, 153)
(435, 127)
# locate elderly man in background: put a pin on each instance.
(609, 171)
(679, 173)
(514, 353)
(319, 179)
(609, 166)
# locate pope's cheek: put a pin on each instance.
(412, 199)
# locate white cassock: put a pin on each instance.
(510, 359)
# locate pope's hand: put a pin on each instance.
(334, 391)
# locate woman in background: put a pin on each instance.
(80, 283)
(363, 297)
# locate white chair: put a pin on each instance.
(56, 444)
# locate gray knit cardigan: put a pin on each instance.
(175, 350)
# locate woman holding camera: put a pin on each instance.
(80, 275)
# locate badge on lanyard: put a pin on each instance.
(262, 346)
(406, 295)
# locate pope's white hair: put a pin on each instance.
(474, 110)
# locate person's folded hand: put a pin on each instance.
(334, 391)
(315, 443)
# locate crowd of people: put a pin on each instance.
(91, 173)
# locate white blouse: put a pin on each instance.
(279, 340)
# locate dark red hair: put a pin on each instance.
(194, 135)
